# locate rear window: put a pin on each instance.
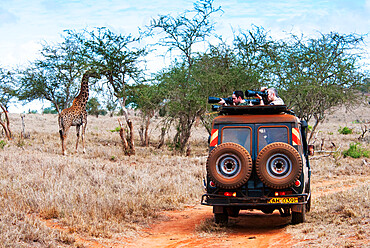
(268, 135)
(239, 135)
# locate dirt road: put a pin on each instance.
(181, 229)
(250, 229)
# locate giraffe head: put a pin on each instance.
(92, 73)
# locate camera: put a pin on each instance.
(252, 93)
(253, 101)
(228, 100)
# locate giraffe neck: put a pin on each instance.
(83, 96)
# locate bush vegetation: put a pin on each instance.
(345, 130)
(356, 151)
(2, 144)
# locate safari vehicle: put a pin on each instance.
(258, 159)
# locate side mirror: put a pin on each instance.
(311, 150)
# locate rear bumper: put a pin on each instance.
(250, 202)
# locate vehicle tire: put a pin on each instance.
(298, 217)
(229, 165)
(267, 210)
(233, 211)
(278, 165)
(221, 219)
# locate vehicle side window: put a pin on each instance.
(268, 135)
(238, 135)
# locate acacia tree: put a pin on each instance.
(182, 33)
(317, 75)
(217, 73)
(7, 87)
(7, 92)
(147, 98)
(251, 49)
(55, 77)
(115, 57)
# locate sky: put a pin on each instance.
(25, 24)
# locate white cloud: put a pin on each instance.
(25, 22)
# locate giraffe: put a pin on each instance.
(76, 115)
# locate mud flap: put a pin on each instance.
(297, 208)
(218, 209)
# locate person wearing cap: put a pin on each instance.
(272, 97)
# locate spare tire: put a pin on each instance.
(229, 165)
(278, 165)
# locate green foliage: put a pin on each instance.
(49, 110)
(2, 144)
(32, 111)
(93, 107)
(113, 55)
(356, 151)
(55, 76)
(184, 93)
(117, 129)
(313, 75)
(345, 130)
(356, 122)
(7, 87)
(312, 91)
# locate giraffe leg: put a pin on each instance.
(83, 136)
(78, 135)
(63, 137)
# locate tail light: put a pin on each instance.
(230, 194)
(283, 193)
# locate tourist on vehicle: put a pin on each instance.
(238, 99)
(272, 97)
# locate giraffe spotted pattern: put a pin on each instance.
(76, 115)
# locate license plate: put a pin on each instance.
(283, 200)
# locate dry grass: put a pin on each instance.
(340, 214)
(103, 193)
(100, 193)
(208, 228)
(337, 220)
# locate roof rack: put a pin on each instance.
(255, 109)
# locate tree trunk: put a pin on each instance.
(127, 140)
(317, 121)
(183, 133)
(141, 135)
(146, 130)
(161, 140)
(6, 124)
(131, 137)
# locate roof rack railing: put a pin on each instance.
(255, 109)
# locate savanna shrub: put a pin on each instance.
(2, 144)
(345, 130)
(355, 151)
